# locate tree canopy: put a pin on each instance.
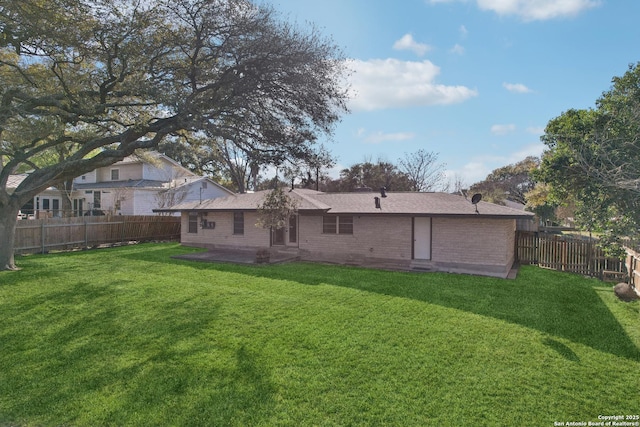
(372, 176)
(88, 82)
(423, 170)
(593, 155)
(417, 171)
(511, 182)
(276, 209)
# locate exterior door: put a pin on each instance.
(293, 229)
(278, 236)
(421, 237)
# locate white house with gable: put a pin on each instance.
(134, 186)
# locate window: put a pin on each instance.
(78, 207)
(293, 229)
(238, 223)
(329, 224)
(193, 222)
(115, 174)
(345, 225)
(96, 200)
(337, 224)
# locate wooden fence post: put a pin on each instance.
(64, 234)
(566, 253)
(42, 236)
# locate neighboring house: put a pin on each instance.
(428, 231)
(133, 186)
(49, 199)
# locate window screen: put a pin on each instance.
(345, 225)
(329, 224)
(238, 223)
(193, 222)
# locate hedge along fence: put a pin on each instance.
(567, 253)
(43, 235)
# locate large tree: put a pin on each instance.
(371, 176)
(511, 182)
(99, 79)
(594, 156)
(423, 169)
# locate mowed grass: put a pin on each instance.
(129, 336)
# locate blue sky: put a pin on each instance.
(473, 80)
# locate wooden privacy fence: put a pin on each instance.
(566, 253)
(43, 235)
(633, 266)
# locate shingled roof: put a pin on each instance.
(402, 203)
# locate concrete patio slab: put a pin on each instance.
(235, 256)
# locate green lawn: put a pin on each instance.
(128, 336)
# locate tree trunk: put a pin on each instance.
(8, 219)
(65, 194)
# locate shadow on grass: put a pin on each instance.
(91, 355)
(558, 304)
(561, 349)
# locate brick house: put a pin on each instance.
(426, 231)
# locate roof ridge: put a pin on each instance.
(313, 201)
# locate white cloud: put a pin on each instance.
(534, 149)
(390, 83)
(479, 167)
(516, 88)
(502, 129)
(463, 31)
(475, 171)
(334, 172)
(380, 137)
(457, 49)
(533, 10)
(535, 130)
(407, 42)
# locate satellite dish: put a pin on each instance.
(475, 200)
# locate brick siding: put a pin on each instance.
(222, 235)
(375, 237)
(480, 245)
(483, 242)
